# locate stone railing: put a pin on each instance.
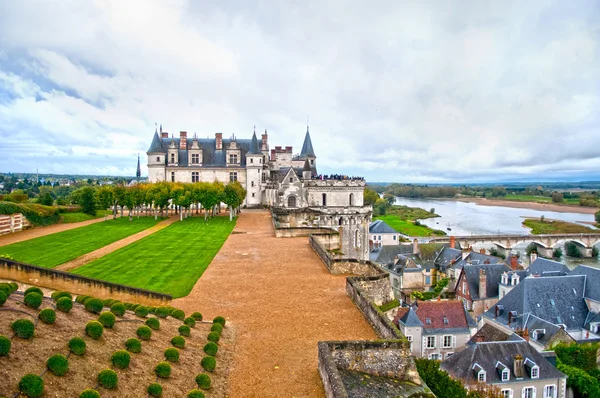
(10, 223)
(338, 263)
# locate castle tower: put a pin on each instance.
(156, 159)
(306, 170)
(254, 170)
(308, 151)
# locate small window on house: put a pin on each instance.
(447, 341)
(394, 237)
(172, 158)
(312, 161)
(291, 179)
(481, 376)
(291, 201)
(233, 176)
(233, 158)
(351, 200)
(535, 372)
(195, 176)
(158, 158)
(445, 321)
(430, 341)
(195, 158)
(251, 160)
(252, 194)
(172, 176)
(552, 303)
(324, 200)
(428, 321)
(252, 183)
(505, 375)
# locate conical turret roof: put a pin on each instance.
(254, 149)
(307, 148)
(156, 146)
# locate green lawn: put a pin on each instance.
(52, 250)
(169, 261)
(67, 218)
(539, 227)
(407, 227)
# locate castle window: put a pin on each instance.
(252, 194)
(172, 158)
(158, 158)
(233, 176)
(324, 199)
(252, 183)
(351, 199)
(312, 162)
(251, 160)
(356, 239)
(264, 177)
(291, 179)
(291, 201)
(233, 159)
(172, 176)
(195, 176)
(195, 158)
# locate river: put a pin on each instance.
(462, 218)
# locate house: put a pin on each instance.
(409, 274)
(436, 329)
(515, 367)
(478, 285)
(381, 234)
(539, 267)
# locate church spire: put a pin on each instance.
(307, 148)
(138, 172)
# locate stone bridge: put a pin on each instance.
(545, 243)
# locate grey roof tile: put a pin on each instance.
(307, 148)
(592, 286)
(493, 277)
(381, 227)
(545, 267)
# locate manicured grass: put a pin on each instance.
(407, 227)
(169, 261)
(555, 227)
(55, 249)
(410, 213)
(67, 218)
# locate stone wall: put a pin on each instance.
(325, 245)
(80, 285)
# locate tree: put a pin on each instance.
(380, 207)
(233, 196)
(390, 199)
(46, 196)
(597, 217)
(572, 250)
(105, 198)
(370, 197)
(557, 253)
(440, 383)
(557, 197)
(119, 192)
(87, 200)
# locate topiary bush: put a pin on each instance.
(144, 332)
(107, 319)
(23, 328)
(57, 295)
(108, 379)
(94, 329)
(208, 363)
(33, 289)
(189, 321)
(197, 316)
(64, 304)
(172, 354)
(89, 393)
(94, 305)
(196, 394)
(13, 287)
(4, 346)
(3, 297)
(133, 345)
(5, 288)
(220, 320)
(178, 341)
(141, 311)
(128, 306)
(77, 346)
(217, 327)
(108, 302)
(33, 300)
(118, 309)
(153, 323)
(31, 386)
(120, 359)
(163, 370)
(58, 364)
(178, 314)
(152, 310)
(211, 348)
(155, 390)
(214, 337)
(162, 312)
(203, 381)
(184, 330)
(48, 316)
(81, 299)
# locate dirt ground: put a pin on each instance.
(281, 300)
(531, 205)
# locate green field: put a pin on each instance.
(538, 199)
(408, 227)
(169, 261)
(410, 213)
(539, 227)
(67, 218)
(52, 250)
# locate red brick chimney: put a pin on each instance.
(514, 262)
(164, 134)
(265, 141)
(288, 149)
(183, 140)
(219, 141)
(452, 242)
(526, 335)
(482, 250)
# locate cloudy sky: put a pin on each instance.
(408, 91)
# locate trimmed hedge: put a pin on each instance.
(203, 381)
(4, 346)
(81, 299)
(133, 345)
(214, 337)
(217, 327)
(31, 386)
(163, 370)
(23, 328)
(35, 213)
(197, 316)
(108, 379)
(58, 364)
(178, 314)
(120, 359)
(144, 332)
(109, 302)
(220, 320)
(64, 304)
(48, 316)
(13, 286)
(118, 309)
(57, 295)
(211, 348)
(155, 390)
(89, 393)
(189, 321)
(172, 354)
(94, 305)
(94, 329)
(107, 319)
(208, 363)
(77, 346)
(153, 323)
(196, 394)
(141, 311)
(33, 289)
(3, 297)
(5, 287)
(162, 312)
(178, 341)
(184, 330)
(33, 300)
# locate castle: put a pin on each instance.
(289, 184)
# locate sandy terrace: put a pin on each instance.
(281, 300)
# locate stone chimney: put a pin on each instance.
(482, 284)
(518, 366)
(526, 335)
(265, 141)
(482, 251)
(164, 134)
(288, 149)
(416, 249)
(183, 140)
(514, 262)
(219, 141)
(452, 242)
(532, 257)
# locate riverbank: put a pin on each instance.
(530, 205)
(539, 227)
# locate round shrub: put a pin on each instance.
(81, 299)
(64, 304)
(4, 346)
(152, 310)
(163, 370)
(220, 320)
(203, 381)
(120, 359)
(172, 354)
(13, 287)
(57, 295)
(153, 323)
(214, 337)
(23, 328)
(178, 314)
(211, 348)
(196, 394)
(155, 390)
(5, 288)
(189, 321)
(178, 341)
(89, 393)
(77, 346)
(141, 311)
(184, 330)
(94, 305)
(108, 302)
(197, 316)
(33, 289)
(94, 329)
(133, 345)
(217, 328)
(107, 319)
(128, 306)
(31, 386)
(3, 297)
(162, 312)
(33, 300)
(108, 379)
(47, 316)
(58, 364)
(144, 332)
(208, 363)
(134, 307)
(118, 309)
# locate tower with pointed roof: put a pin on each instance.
(254, 173)
(308, 152)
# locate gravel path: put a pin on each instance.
(282, 301)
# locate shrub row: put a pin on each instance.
(35, 213)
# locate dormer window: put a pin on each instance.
(195, 158)
(233, 158)
(538, 333)
(503, 371)
(535, 372)
(479, 373)
(504, 279)
(505, 375)
(594, 327)
(172, 158)
(428, 321)
(514, 280)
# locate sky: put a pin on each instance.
(397, 91)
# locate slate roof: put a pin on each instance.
(388, 253)
(488, 354)
(558, 300)
(475, 258)
(544, 267)
(307, 148)
(380, 227)
(533, 322)
(254, 148)
(493, 277)
(489, 333)
(592, 286)
(446, 257)
(437, 317)
(156, 145)
(408, 317)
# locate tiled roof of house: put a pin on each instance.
(489, 333)
(389, 253)
(307, 148)
(545, 267)
(475, 258)
(380, 227)
(437, 316)
(446, 257)
(408, 317)
(493, 277)
(592, 286)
